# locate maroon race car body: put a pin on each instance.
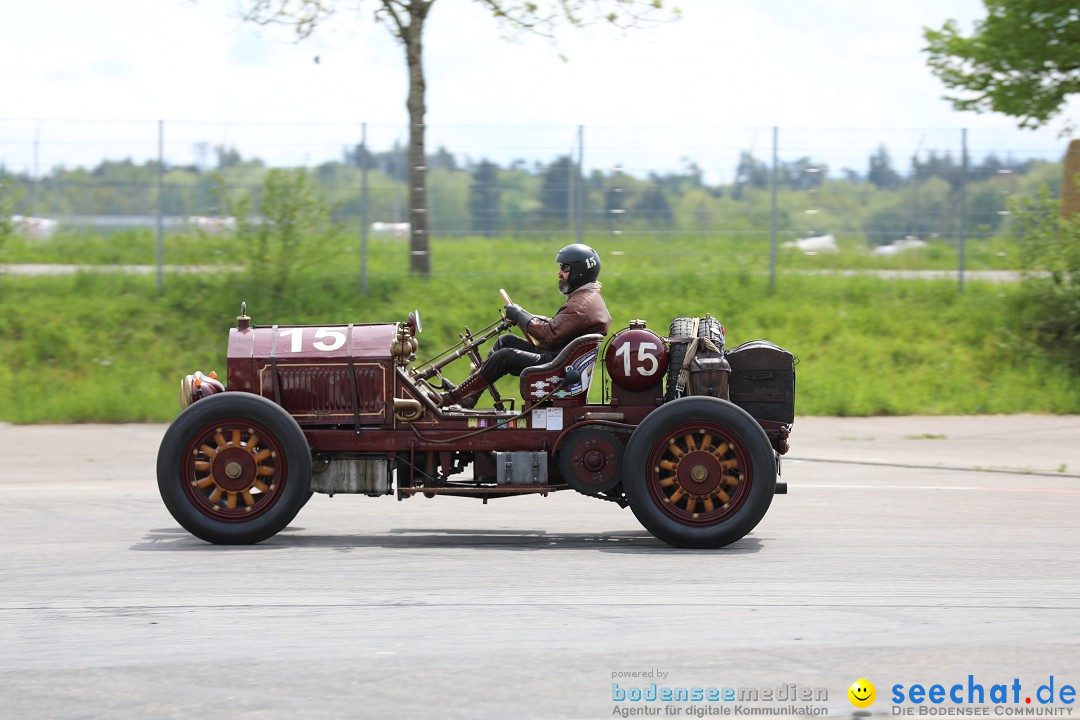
(687, 433)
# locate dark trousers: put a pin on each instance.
(512, 354)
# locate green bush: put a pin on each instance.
(1049, 303)
(291, 219)
(7, 206)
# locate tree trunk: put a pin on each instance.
(419, 255)
(1070, 192)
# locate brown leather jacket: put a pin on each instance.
(583, 312)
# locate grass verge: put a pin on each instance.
(111, 348)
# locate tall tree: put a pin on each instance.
(406, 19)
(942, 166)
(226, 157)
(1023, 59)
(750, 172)
(484, 194)
(803, 174)
(881, 171)
(653, 207)
(559, 180)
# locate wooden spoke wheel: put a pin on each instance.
(234, 468)
(699, 472)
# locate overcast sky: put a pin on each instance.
(91, 80)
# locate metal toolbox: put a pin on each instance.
(521, 468)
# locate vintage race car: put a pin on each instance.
(687, 433)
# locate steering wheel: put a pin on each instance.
(507, 301)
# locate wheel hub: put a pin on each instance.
(699, 473)
(234, 469)
(594, 461)
(590, 460)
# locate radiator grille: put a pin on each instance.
(324, 390)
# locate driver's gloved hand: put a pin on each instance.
(518, 315)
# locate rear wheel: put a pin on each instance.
(234, 468)
(699, 472)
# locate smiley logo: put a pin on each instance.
(862, 693)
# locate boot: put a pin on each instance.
(467, 393)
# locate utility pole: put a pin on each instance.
(160, 205)
(363, 208)
(581, 185)
(963, 206)
(774, 222)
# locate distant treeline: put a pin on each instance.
(483, 198)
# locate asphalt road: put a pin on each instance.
(909, 550)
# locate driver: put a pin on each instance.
(584, 312)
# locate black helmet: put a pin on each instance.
(583, 261)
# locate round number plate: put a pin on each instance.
(636, 359)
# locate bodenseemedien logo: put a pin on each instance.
(699, 701)
(862, 693)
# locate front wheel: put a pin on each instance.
(234, 468)
(699, 472)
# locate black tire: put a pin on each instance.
(680, 328)
(699, 450)
(710, 327)
(234, 469)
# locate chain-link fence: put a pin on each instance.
(828, 193)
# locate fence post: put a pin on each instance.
(775, 213)
(363, 208)
(571, 197)
(34, 186)
(963, 206)
(581, 185)
(615, 213)
(160, 205)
